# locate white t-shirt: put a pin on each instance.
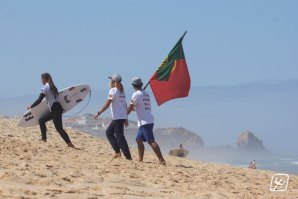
(118, 105)
(141, 100)
(50, 97)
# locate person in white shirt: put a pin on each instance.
(115, 132)
(50, 92)
(140, 102)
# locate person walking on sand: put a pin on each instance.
(140, 102)
(115, 132)
(50, 92)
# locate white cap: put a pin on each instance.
(116, 78)
(136, 81)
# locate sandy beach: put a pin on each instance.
(30, 168)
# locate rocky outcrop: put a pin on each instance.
(247, 141)
(167, 138)
(171, 138)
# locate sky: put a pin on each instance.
(228, 42)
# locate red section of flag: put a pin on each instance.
(176, 86)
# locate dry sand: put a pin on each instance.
(30, 168)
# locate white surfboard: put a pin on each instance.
(68, 98)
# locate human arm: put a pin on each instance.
(104, 108)
(133, 102)
(130, 108)
(38, 101)
(126, 123)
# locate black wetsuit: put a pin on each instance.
(55, 114)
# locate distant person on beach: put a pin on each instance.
(115, 132)
(181, 152)
(140, 102)
(252, 165)
(50, 92)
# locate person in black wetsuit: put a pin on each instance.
(50, 92)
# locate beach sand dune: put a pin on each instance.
(30, 168)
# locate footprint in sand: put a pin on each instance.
(31, 193)
(72, 191)
(56, 191)
(67, 179)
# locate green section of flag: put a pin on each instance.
(165, 69)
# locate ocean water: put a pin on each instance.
(287, 165)
(275, 163)
(272, 162)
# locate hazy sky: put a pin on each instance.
(228, 42)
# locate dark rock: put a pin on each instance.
(247, 141)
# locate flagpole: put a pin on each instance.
(146, 85)
(150, 79)
(184, 34)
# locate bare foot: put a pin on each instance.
(163, 162)
(140, 160)
(70, 145)
(44, 140)
(117, 155)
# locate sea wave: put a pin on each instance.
(287, 159)
(295, 162)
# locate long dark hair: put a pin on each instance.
(49, 79)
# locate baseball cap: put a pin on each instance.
(116, 78)
(137, 81)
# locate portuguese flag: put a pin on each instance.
(171, 80)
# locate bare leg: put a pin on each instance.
(141, 148)
(157, 151)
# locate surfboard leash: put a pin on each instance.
(81, 109)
